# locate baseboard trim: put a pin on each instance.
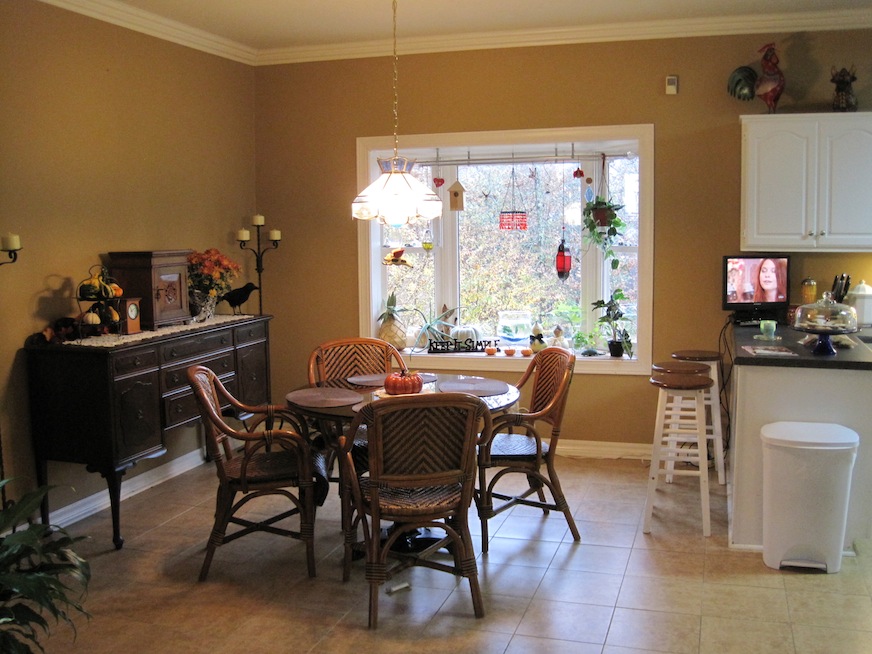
(98, 501)
(604, 450)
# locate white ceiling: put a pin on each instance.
(282, 31)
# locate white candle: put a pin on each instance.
(10, 242)
(243, 235)
(257, 220)
(275, 235)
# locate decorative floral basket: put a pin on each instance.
(210, 275)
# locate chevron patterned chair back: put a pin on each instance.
(347, 357)
(422, 463)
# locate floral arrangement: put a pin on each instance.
(211, 272)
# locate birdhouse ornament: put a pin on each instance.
(455, 196)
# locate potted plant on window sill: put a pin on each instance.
(602, 225)
(613, 321)
(391, 328)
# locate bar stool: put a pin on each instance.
(679, 436)
(715, 431)
(683, 368)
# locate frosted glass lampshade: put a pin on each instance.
(396, 198)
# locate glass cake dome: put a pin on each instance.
(825, 317)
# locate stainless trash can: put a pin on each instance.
(807, 469)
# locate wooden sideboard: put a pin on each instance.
(109, 401)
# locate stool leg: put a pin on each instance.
(654, 469)
(717, 434)
(702, 445)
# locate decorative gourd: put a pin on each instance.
(403, 383)
(91, 318)
(465, 333)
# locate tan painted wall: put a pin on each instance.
(309, 115)
(112, 140)
(109, 140)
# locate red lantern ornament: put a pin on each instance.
(563, 261)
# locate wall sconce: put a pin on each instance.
(10, 243)
(243, 236)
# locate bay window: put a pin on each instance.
(509, 198)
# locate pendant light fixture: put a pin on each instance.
(396, 198)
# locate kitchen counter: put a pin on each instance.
(858, 357)
(798, 386)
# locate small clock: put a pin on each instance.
(130, 309)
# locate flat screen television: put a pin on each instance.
(757, 287)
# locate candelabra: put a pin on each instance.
(244, 236)
(11, 244)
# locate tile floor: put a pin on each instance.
(618, 591)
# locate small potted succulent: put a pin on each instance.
(602, 225)
(613, 321)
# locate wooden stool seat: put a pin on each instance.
(696, 355)
(679, 382)
(680, 367)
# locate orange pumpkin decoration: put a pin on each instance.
(403, 383)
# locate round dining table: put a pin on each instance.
(339, 399)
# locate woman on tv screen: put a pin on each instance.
(771, 281)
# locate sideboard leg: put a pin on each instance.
(113, 480)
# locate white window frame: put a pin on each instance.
(602, 138)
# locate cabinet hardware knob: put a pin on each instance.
(137, 361)
(176, 378)
(140, 415)
(810, 233)
(822, 233)
(178, 408)
(173, 353)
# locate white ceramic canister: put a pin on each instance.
(860, 297)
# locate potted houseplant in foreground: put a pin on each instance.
(613, 320)
(40, 575)
(602, 226)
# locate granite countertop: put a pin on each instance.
(790, 352)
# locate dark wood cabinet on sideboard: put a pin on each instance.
(110, 403)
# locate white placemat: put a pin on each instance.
(474, 386)
(324, 397)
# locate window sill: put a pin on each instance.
(479, 361)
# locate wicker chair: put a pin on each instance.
(527, 453)
(422, 453)
(257, 462)
(347, 357)
(336, 361)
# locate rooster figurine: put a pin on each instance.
(745, 84)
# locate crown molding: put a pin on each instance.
(151, 24)
(123, 15)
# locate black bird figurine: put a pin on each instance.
(238, 296)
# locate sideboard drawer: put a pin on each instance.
(180, 408)
(250, 333)
(187, 348)
(173, 379)
(135, 360)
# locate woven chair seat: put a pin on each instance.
(515, 446)
(414, 502)
(270, 467)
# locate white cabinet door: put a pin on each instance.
(845, 198)
(779, 184)
(807, 182)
